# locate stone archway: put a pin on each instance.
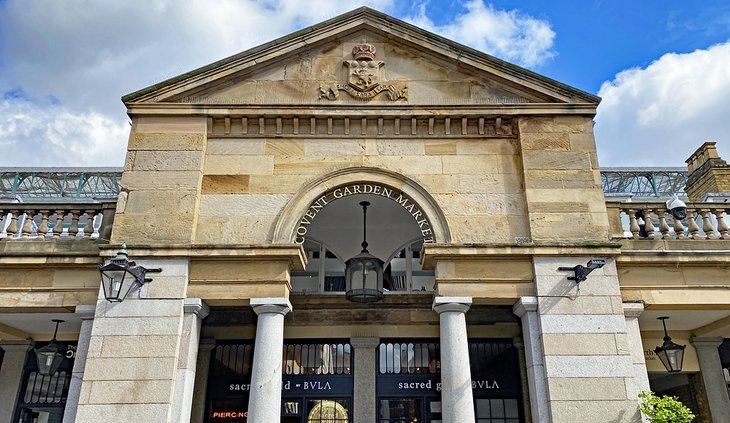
(396, 187)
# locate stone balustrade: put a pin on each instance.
(90, 220)
(653, 220)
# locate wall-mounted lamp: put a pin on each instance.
(364, 272)
(582, 272)
(50, 357)
(120, 276)
(669, 353)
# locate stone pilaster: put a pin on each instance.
(264, 404)
(86, 313)
(364, 368)
(11, 376)
(588, 365)
(134, 351)
(201, 380)
(520, 345)
(526, 310)
(712, 377)
(195, 311)
(457, 400)
(632, 311)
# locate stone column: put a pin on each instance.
(526, 310)
(457, 400)
(201, 380)
(520, 345)
(86, 312)
(195, 311)
(264, 404)
(632, 311)
(11, 376)
(712, 377)
(365, 368)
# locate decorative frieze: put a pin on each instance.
(362, 126)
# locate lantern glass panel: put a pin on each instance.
(49, 358)
(364, 278)
(117, 282)
(671, 356)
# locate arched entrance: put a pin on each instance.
(331, 230)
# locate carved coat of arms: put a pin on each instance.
(364, 79)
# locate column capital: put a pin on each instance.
(271, 305)
(206, 344)
(454, 304)
(633, 309)
(85, 312)
(523, 305)
(708, 342)
(364, 341)
(196, 306)
(17, 346)
(519, 343)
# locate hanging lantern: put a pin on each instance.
(364, 272)
(50, 357)
(670, 354)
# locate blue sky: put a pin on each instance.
(662, 67)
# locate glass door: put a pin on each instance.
(401, 410)
(315, 410)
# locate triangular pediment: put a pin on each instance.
(361, 56)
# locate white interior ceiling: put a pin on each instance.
(339, 226)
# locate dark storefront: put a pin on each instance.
(43, 397)
(317, 383)
(409, 381)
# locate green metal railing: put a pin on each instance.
(49, 183)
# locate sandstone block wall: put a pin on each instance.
(161, 181)
(562, 179)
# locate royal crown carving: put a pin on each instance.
(365, 80)
(364, 51)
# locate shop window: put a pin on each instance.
(409, 358)
(46, 389)
(317, 359)
(497, 410)
(408, 410)
(328, 411)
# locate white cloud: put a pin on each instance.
(659, 115)
(67, 64)
(84, 56)
(32, 135)
(509, 35)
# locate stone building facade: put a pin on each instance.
(242, 183)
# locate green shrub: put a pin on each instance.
(664, 409)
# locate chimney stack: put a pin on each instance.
(707, 173)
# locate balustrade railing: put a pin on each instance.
(653, 220)
(45, 221)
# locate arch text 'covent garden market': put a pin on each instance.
(363, 222)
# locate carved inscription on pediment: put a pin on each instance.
(364, 78)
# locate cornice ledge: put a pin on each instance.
(293, 253)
